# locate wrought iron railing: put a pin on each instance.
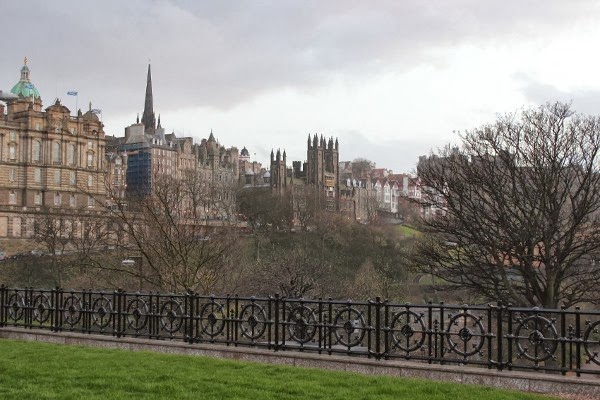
(493, 336)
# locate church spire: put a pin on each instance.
(148, 118)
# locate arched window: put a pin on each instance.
(37, 151)
(56, 152)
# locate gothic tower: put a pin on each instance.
(323, 169)
(278, 172)
(148, 118)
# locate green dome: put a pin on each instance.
(24, 88)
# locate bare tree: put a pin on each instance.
(184, 233)
(265, 213)
(517, 209)
(361, 168)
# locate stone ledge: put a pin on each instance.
(523, 381)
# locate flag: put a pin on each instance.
(96, 111)
(72, 93)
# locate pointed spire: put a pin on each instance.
(158, 123)
(272, 156)
(137, 120)
(211, 138)
(148, 118)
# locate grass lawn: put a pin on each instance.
(407, 231)
(30, 370)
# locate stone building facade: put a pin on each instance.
(49, 159)
(150, 153)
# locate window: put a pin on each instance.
(72, 201)
(57, 199)
(37, 199)
(71, 154)
(12, 136)
(90, 201)
(37, 151)
(12, 197)
(37, 175)
(72, 178)
(90, 180)
(12, 152)
(57, 177)
(56, 152)
(16, 226)
(37, 126)
(12, 175)
(90, 144)
(90, 159)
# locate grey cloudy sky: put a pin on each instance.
(391, 79)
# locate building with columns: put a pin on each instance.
(49, 159)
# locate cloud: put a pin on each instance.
(583, 100)
(376, 68)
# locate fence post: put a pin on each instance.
(119, 312)
(58, 297)
(578, 342)
(2, 304)
(442, 334)
(276, 313)
(329, 326)
(189, 313)
(563, 340)
(430, 332)
(499, 338)
(509, 336)
(386, 329)
(377, 327)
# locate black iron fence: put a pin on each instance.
(493, 336)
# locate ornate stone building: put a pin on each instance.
(320, 171)
(49, 159)
(150, 152)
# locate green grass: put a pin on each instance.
(407, 231)
(31, 370)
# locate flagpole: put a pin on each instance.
(76, 94)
